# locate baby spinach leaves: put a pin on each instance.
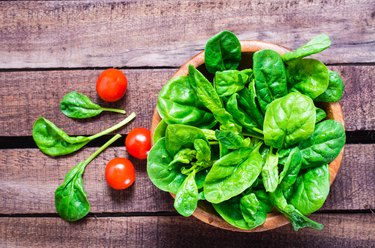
(70, 197)
(53, 141)
(222, 52)
(289, 120)
(79, 106)
(251, 141)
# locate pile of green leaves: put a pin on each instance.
(252, 141)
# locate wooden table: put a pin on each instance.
(52, 47)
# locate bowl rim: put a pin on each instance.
(274, 219)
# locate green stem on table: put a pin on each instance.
(115, 127)
(121, 111)
(102, 148)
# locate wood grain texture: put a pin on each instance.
(341, 230)
(24, 96)
(29, 179)
(45, 34)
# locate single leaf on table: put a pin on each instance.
(79, 106)
(289, 120)
(270, 77)
(308, 76)
(70, 197)
(222, 52)
(53, 141)
(232, 174)
(335, 89)
(324, 145)
(231, 81)
(311, 190)
(315, 45)
(178, 104)
(186, 199)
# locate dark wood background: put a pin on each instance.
(48, 48)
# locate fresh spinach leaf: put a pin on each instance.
(159, 131)
(232, 174)
(289, 120)
(208, 96)
(292, 166)
(186, 200)
(312, 189)
(320, 115)
(231, 81)
(70, 197)
(308, 76)
(178, 104)
(297, 219)
(270, 173)
(270, 77)
(315, 45)
(222, 52)
(232, 140)
(183, 156)
(335, 89)
(252, 211)
(162, 176)
(53, 141)
(79, 106)
(324, 145)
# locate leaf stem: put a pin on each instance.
(213, 143)
(102, 148)
(252, 136)
(120, 111)
(258, 130)
(115, 127)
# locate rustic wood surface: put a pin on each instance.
(49, 48)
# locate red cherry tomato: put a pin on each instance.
(138, 142)
(111, 85)
(120, 173)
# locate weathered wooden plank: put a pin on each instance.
(28, 180)
(341, 230)
(24, 96)
(45, 34)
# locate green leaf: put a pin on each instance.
(208, 96)
(178, 104)
(252, 211)
(270, 77)
(231, 81)
(270, 173)
(308, 76)
(232, 140)
(316, 45)
(292, 166)
(297, 219)
(79, 106)
(312, 189)
(184, 156)
(222, 52)
(232, 174)
(70, 197)
(159, 131)
(53, 141)
(324, 145)
(335, 89)
(186, 200)
(320, 115)
(158, 170)
(289, 120)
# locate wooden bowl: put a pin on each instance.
(205, 211)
